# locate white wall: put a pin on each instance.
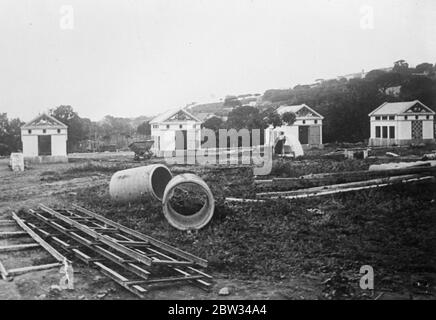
(428, 129)
(403, 128)
(30, 141)
(165, 138)
(30, 145)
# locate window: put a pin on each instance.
(316, 121)
(44, 131)
(168, 126)
(428, 117)
(59, 130)
(405, 117)
(304, 121)
(29, 131)
(416, 117)
(384, 118)
(392, 132)
(384, 132)
(181, 126)
(377, 118)
(391, 117)
(377, 132)
(155, 126)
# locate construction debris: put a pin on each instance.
(133, 260)
(391, 154)
(401, 165)
(387, 174)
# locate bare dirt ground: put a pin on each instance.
(273, 251)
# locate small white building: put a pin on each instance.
(173, 124)
(307, 127)
(401, 123)
(44, 139)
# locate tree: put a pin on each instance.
(213, 123)
(246, 117)
(401, 66)
(10, 134)
(426, 68)
(78, 128)
(144, 128)
(420, 88)
(271, 117)
(289, 118)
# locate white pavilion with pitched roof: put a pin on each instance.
(44, 139)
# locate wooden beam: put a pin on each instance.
(17, 271)
(4, 273)
(11, 234)
(339, 186)
(320, 179)
(18, 247)
(59, 257)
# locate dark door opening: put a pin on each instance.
(44, 145)
(416, 130)
(303, 134)
(181, 140)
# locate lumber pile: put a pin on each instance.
(339, 182)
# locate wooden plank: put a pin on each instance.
(111, 272)
(339, 186)
(59, 257)
(4, 273)
(7, 222)
(22, 270)
(320, 179)
(160, 280)
(12, 234)
(144, 237)
(327, 192)
(18, 247)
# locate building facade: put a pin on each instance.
(44, 139)
(401, 123)
(307, 127)
(175, 130)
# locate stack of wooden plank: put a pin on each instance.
(339, 182)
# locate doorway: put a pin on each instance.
(44, 145)
(303, 134)
(416, 130)
(181, 140)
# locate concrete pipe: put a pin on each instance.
(134, 184)
(196, 220)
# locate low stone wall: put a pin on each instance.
(46, 159)
(397, 142)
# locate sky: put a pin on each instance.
(141, 57)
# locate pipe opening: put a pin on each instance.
(159, 180)
(188, 202)
(188, 199)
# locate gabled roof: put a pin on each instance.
(44, 121)
(299, 111)
(406, 107)
(166, 116)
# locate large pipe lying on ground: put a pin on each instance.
(134, 184)
(188, 222)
